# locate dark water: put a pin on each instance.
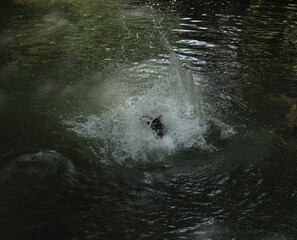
(78, 162)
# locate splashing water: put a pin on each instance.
(122, 135)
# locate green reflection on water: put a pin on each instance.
(79, 34)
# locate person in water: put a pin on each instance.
(156, 125)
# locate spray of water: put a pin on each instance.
(121, 134)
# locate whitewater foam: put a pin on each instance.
(120, 133)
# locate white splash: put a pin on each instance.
(153, 89)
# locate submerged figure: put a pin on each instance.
(156, 125)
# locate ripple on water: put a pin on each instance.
(41, 165)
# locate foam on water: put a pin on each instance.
(122, 135)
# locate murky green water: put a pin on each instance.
(77, 160)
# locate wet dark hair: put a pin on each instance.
(158, 127)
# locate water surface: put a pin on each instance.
(77, 160)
